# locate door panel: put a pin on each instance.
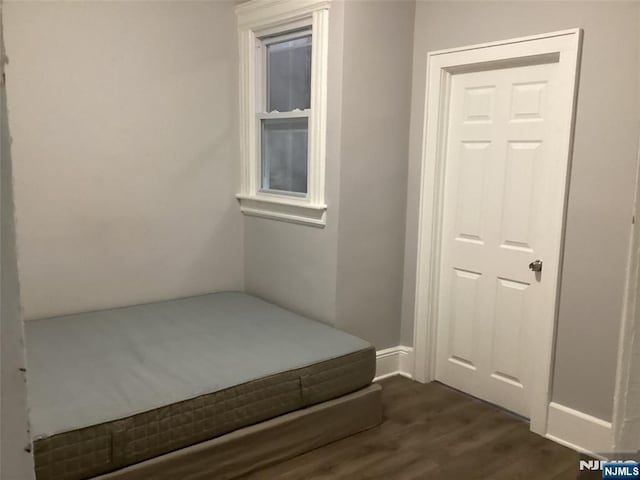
(506, 361)
(464, 292)
(474, 157)
(500, 177)
(518, 195)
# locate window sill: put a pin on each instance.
(283, 209)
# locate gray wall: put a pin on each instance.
(378, 46)
(124, 118)
(295, 265)
(15, 462)
(627, 418)
(349, 274)
(602, 177)
(627, 437)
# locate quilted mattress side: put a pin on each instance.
(91, 451)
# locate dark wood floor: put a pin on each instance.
(434, 432)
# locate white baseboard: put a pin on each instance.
(579, 431)
(394, 361)
(566, 426)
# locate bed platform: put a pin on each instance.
(203, 387)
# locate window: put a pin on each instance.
(285, 120)
(283, 57)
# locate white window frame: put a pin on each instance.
(258, 19)
(262, 113)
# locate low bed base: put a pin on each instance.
(257, 446)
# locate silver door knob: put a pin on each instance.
(536, 266)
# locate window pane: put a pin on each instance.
(289, 75)
(284, 154)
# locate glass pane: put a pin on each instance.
(289, 75)
(284, 154)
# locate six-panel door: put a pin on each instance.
(502, 168)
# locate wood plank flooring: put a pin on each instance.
(434, 432)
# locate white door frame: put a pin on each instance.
(562, 47)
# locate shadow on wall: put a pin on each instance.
(15, 461)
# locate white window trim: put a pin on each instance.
(256, 19)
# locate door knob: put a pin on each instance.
(536, 266)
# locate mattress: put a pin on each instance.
(115, 387)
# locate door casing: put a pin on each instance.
(563, 47)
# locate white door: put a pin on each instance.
(503, 182)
